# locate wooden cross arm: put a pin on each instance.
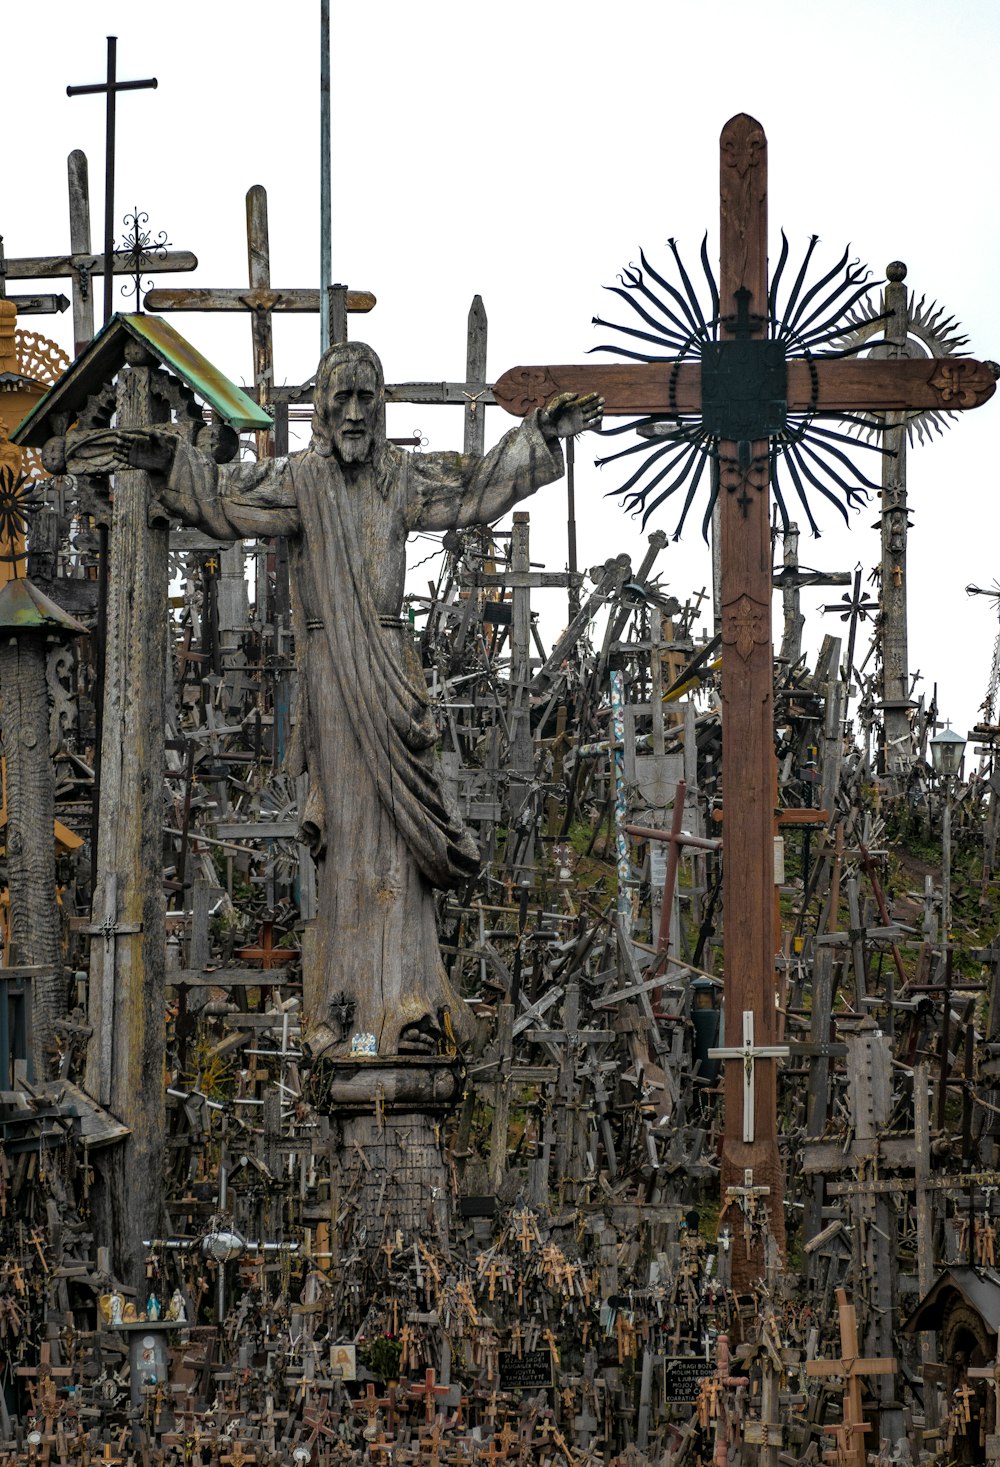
(262, 298)
(54, 267)
(851, 385)
(645, 832)
(848, 1368)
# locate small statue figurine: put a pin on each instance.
(117, 1308)
(152, 1308)
(175, 1309)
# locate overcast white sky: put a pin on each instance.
(527, 153)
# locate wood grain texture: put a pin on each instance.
(127, 973)
(846, 386)
(30, 848)
(748, 769)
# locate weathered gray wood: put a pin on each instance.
(925, 1225)
(57, 267)
(262, 298)
(30, 844)
(869, 1071)
(382, 832)
(791, 637)
(79, 243)
(127, 974)
(522, 753)
(259, 267)
(501, 1096)
(475, 371)
(898, 751)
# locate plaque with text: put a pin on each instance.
(531, 1371)
(683, 1374)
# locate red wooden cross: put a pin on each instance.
(817, 385)
(429, 1391)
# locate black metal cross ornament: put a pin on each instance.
(111, 87)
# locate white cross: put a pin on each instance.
(748, 1053)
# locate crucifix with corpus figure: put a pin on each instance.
(744, 389)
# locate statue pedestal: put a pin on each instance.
(388, 1140)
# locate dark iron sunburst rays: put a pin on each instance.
(809, 322)
(16, 503)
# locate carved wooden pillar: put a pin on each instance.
(127, 995)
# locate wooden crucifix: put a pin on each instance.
(743, 390)
(261, 299)
(850, 1368)
(748, 1054)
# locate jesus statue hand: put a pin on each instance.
(567, 414)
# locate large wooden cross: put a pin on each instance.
(827, 386)
(850, 1368)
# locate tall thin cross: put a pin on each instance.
(743, 423)
(111, 87)
(850, 1368)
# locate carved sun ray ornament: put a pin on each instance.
(930, 332)
(808, 319)
(17, 501)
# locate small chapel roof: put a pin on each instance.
(979, 1287)
(23, 607)
(104, 356)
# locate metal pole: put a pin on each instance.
(109, 181)
(325, 249)
(946, 874)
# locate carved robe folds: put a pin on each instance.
(377, 817)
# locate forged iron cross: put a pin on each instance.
(141, 250)
(813, 385)
(110, 87)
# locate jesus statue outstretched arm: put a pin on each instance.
(449, 491)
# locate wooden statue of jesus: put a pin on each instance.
(377, 818)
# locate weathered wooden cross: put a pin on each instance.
(80, 265)
(742, 410)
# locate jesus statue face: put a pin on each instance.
(351, 411)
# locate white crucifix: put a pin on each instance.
(749, 1053)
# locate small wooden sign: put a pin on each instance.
(682, 1377)
(531, 1371)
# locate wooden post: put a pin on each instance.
(747, 688)
(259, 267)
(79, 243)
(127, 995)
(522, 752)
(925, 1226)
(30, 847)
(475, 371)
(791, 639)
(896, 701)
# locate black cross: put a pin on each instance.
(111, 88)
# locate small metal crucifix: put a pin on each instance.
(749, 1054)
